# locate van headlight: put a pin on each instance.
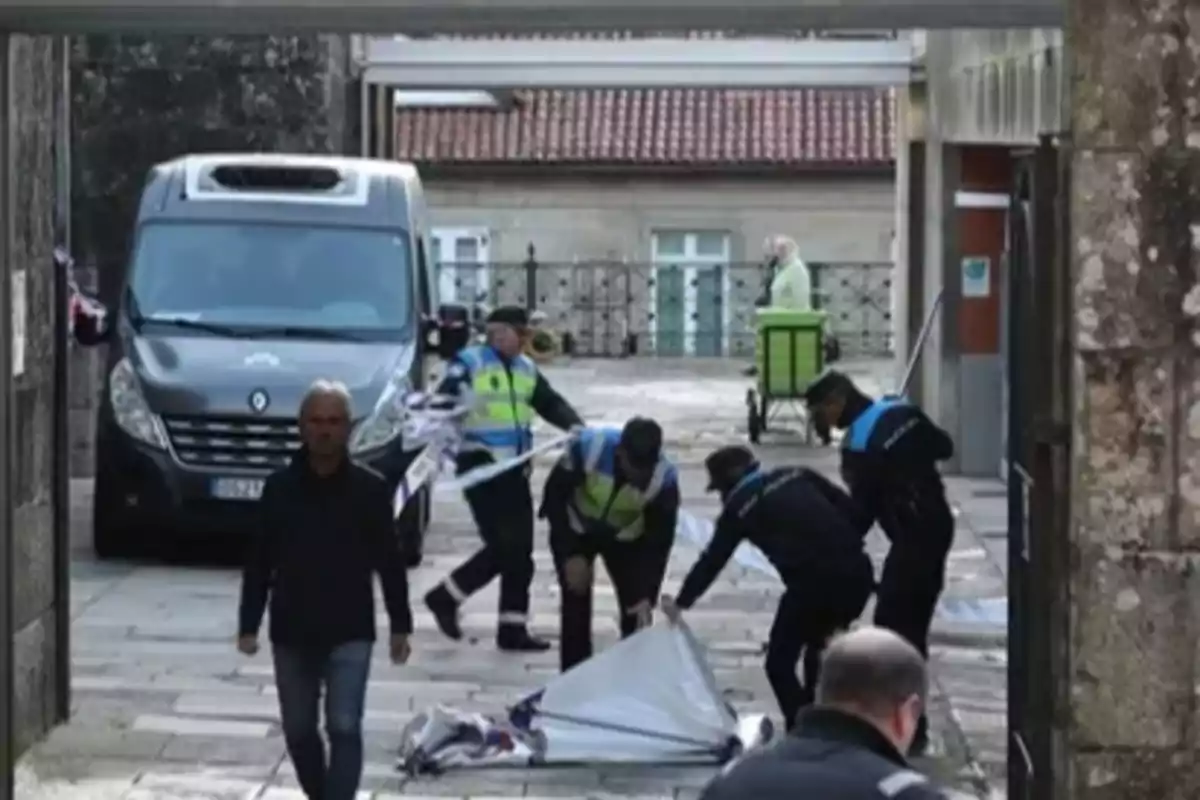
(130, 409)
(386, 421)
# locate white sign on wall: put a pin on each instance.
(20, 309)
(976, 276)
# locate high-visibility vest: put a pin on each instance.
(501, 417)
(858, 437)
(598, 500)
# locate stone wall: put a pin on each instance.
(36, 80)
(139, 101)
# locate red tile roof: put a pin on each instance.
(698, 127)
(798, 128)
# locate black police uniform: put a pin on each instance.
(890, 452)
(831, 755)
(636, 567)
(798, 519)
(504, 515)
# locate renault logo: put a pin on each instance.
(259, 401)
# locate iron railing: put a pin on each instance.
(621, 308)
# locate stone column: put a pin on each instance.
(1128, 710)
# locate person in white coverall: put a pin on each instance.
(790, 282)
(791, 286)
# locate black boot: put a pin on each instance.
(445, 612)
(517, 639)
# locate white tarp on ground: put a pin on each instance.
(650, 699)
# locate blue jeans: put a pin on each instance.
(300, 675)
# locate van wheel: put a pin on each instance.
(111, 538)
(411, 527)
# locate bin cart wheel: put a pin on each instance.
(754, 420)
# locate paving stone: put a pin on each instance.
(196, 726)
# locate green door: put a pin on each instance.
(710, 311)
(669, 310)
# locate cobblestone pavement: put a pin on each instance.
(164, 708)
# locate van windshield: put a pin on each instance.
(248, 276)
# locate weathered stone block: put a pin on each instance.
(34, 679)
(1132, 647)
(1136, 775)
(33, 561)
(1126, 478)
(1133, 275)
(1126, 65)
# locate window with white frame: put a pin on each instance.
(689, 298)
(460, 258)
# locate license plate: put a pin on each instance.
(237, 488)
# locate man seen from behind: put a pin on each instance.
(326, 527)
(851, 744)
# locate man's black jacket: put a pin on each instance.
(801, 522)
(895, 480)
(660, 518)
(320, 540)
(831, 755)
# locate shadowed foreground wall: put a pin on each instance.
(37, 81)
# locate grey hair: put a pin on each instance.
(327, 388)
(781, 244)
(871, 669)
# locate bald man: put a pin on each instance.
(851, 744)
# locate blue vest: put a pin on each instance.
(858, 437)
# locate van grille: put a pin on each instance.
(248, 443)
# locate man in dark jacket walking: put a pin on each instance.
(326, 526)
(850, 745)
(801, 522)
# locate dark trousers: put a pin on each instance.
(625, 563)
(909, 589)
(503, 512)
(807, 617)
(301, 675)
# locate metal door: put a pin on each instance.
(669, 313)
(1036, 446)
(709, 313)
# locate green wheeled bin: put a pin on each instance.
(789, 354)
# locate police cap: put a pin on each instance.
(827, 384)
(510, 315)
(642, 441)
(727, 465)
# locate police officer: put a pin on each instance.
(850, 745)
(504, 391)
(890, 452)
(798, 519)
(614, 496)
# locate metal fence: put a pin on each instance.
(618, 309)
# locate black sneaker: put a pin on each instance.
(445, 612)
(519, 640)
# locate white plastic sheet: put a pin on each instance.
(699, 532)
(651, 699)
(436, 433)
